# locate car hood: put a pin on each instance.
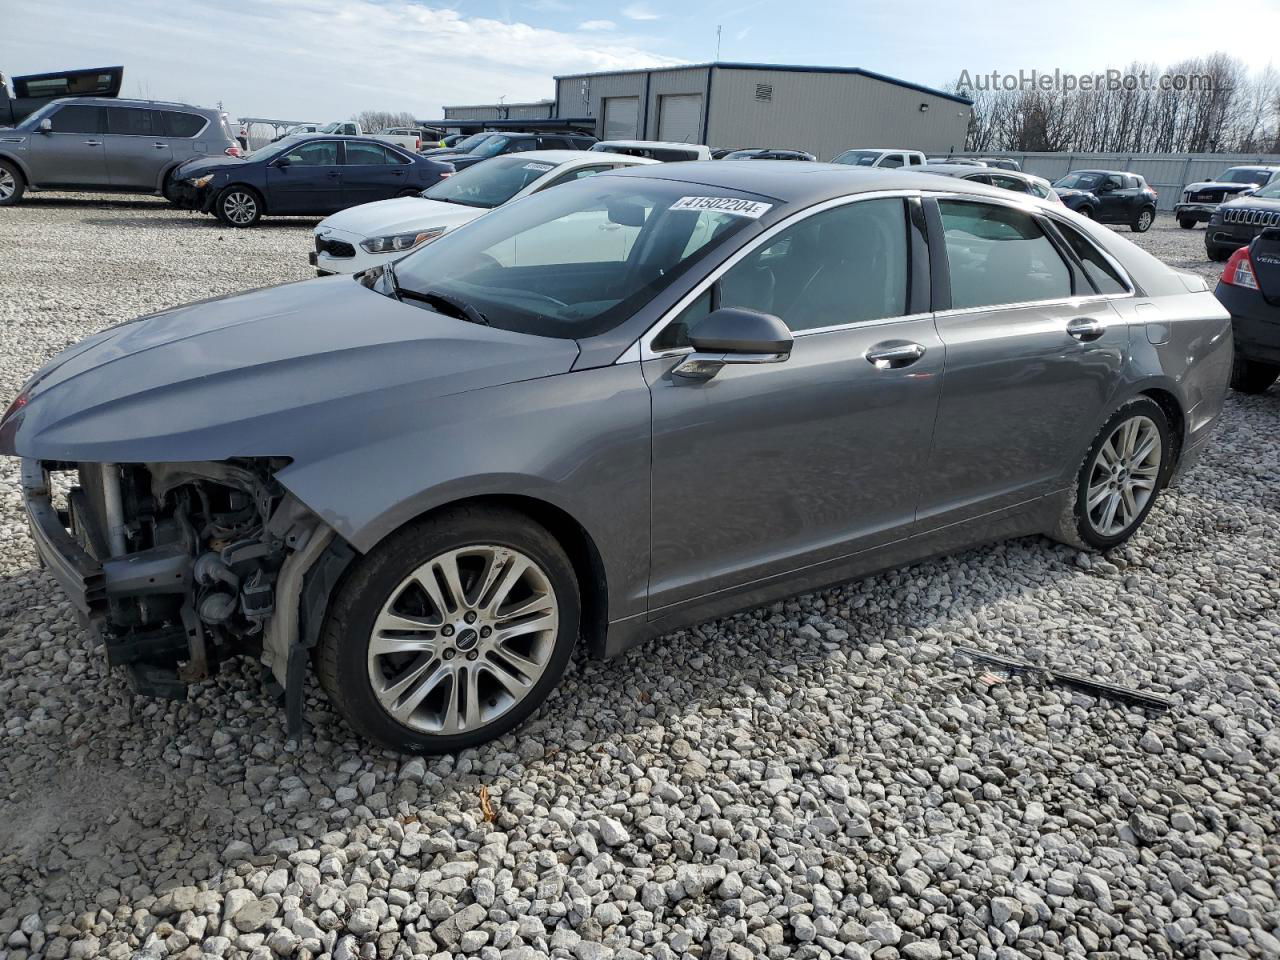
(399, 216)
(279, 371)
(1065, 192)
(1219, 184)
(1252, 202)
(198, 166)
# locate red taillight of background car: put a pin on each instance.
(19, 402)
(1239, 270)
(232, 151)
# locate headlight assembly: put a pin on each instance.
(400, 242)
(201, 181)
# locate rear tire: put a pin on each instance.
(1143, 221)
(1086, 212)
(1216, 253)
(460, 657)
(1121, 478)
(238, 206)
(1253, 376)
(12, 184)
(1187, 223)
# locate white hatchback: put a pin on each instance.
(364, 236)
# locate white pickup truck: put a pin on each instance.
(352, 128)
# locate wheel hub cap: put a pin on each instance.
(463, 639)
(1123, 477)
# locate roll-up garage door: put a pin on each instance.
(621, 118)
(679, 116)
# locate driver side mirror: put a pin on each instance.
(733, 335)
(46, 125)
(282, 162)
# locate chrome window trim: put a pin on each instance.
(647, 352)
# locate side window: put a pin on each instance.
(834, 268)
(183, 124)
(980, 178)
(318, 153)
(916, 160)
(366, 154)
(516, 146)
(890, 160)
(1113, 183)
(579, 174)
(999, 255)
(552, 143)
(78, 118)
(132, 123)
(1096, 267)
(1009, 183)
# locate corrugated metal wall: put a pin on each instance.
(825, 113)
(495, 111)
(583, 96)
(1167, 173)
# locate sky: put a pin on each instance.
(326, 59)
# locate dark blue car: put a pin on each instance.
(304, 175)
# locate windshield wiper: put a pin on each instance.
(453, 306)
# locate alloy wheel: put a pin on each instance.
(240, 207)
(8, 185)
(1144, 221)
(1124, 475)
(463, 639)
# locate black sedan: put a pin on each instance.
(1250, 290)
(304, 175)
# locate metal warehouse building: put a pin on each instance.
(823, 110)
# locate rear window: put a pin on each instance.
(1097, 268)
(183, 124)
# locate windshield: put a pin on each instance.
(491, 146)
(271, 149)
(1269, 192)
(859, 158)
(489, 184)
(578, 260)
(1244, 175)
(1079, 181)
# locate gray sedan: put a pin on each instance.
(608, 411)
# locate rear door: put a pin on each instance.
(1033, 358)
(74, 152)
(372, 172)
(137, 148)
(308, 179)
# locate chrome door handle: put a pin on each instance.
(94, 143)
(894, 354)
(160, 146)
(1086, 329)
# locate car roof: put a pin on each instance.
(1253, 166)
(1118, 173)
(580, 156)
(804, 183)
(654, 143)
(127, 102)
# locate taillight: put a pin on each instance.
(232, 151)
(1239, 270)
(19, 402)
(417, 144)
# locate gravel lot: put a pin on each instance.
(820, 778)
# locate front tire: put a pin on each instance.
(1252, 376)
(12, 184)
(1086, 212)
(238, 206)
(1143, 221)
(1216, 253)
(1121, 477)
(1187, 223)
(451, 632)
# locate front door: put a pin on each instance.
(1033, 357)
(306, 180)
(137, 147)
(73, 152)
(1113, 200)
(372, 172)
(771, 467)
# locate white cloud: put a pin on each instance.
(597, 25)
(639, 11)
(313, 59)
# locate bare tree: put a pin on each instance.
(373, 121)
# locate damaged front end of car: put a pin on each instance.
(178, 567)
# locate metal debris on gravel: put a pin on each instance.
(812, 779)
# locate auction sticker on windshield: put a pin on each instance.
(736, 206)
(540, 167)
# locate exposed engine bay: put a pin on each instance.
(200, 562)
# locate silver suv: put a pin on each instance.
(107, 144)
